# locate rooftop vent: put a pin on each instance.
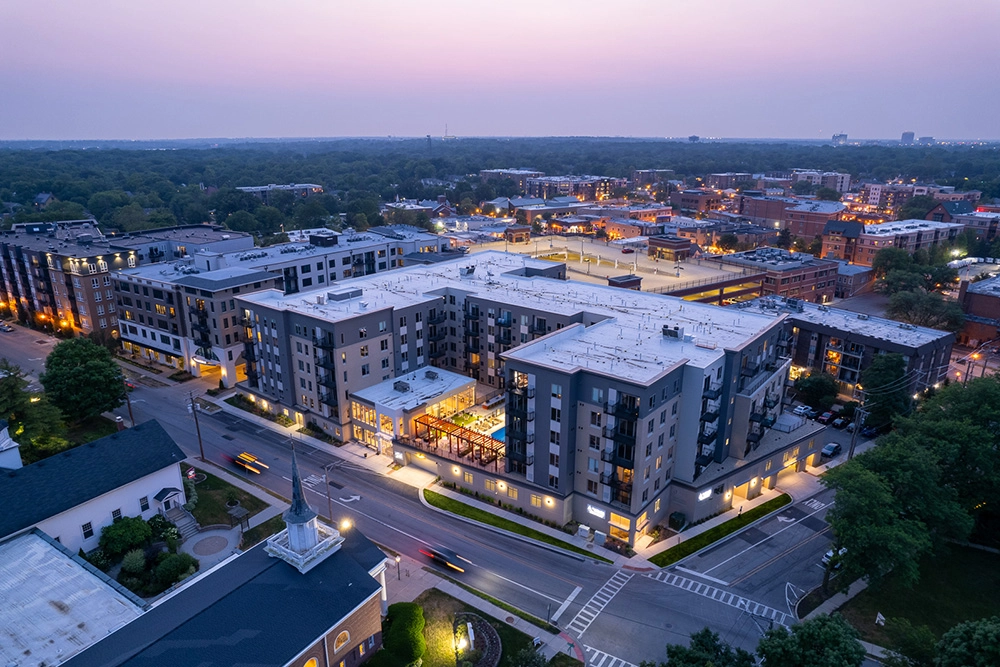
(675, 332)
(401, 386)
(431, 375)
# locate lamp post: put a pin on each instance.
(326, 481)
(197, 428)
(399, 577)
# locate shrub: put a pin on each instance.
(192, 495)
(175, 567)
(159, 524)
(99, 559)
(405, 635)
(134, 561)
(123, 535)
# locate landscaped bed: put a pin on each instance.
(261, 532)
(482, 516)
(243, 403)
(702, 540)
(214, 494)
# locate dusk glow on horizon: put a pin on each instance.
(773, 68)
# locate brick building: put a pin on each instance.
(981, 303)
(808, 218)
(700, 201)
(789, 274)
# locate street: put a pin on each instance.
(737, 588)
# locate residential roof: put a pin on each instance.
(908, 226)
(226, 278)
(51, 486)
(815, 206)
(990, 286)
(957, 207)
(850, 230)
(255, 610)
(410, 391)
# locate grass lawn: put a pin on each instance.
(91, 429)
(260, 533)
(439, 615)
(482, 516)
(698, 542)
(957, 586)
(212, 496)
(534, 620)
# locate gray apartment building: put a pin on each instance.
(620, 407)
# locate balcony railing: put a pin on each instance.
(329, 398)
(750, 370)
(505, 338)
(324, 343)
(611, 456)
(710, 416)
(707, 437)
(505, 321)
(771, 401)
(250, 353)
(246, 322)
(754, 437)
(201, 326)
(439, 318)
(200, 313)
(438, 352)
(473, 348)
(327, 381)
(439, 334)
(713, 392)
(528, 392)
(472, 315)
(538, 329)
(623, 410)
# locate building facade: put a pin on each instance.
(908, 235)
(789, 274)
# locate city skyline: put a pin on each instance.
(110, 70)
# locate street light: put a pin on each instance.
(399, 577)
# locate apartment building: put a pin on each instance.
(807, 219)
(620, 407)
(298, 190)
(981, 303)
(842, 343)
(700, 201)
(584, 188)
(767, 211)
(908, 235)
(729, 179)
(519, 176)
(840, 239)
(644, 177)
(823, 179)
(789, 274)
(984, 224)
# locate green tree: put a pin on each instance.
(889, 259)
(818, 390)
(269, 220)
(886, 389)
(705, 649)
(784, 239)
(125, 534)
(404, 637)
(868, 522)
(815, 247)
(41, 430)
(528, 657)
(823, 641)
(916, 208)
(13, 397)
(926, 309)
(902, 280)
(827, 194)
(729, 242)
(82, 379)
(242, 221)
(971, 644)
(802, 187)
(909, 645)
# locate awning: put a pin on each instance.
(165, 493)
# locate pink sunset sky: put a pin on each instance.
(252, 68)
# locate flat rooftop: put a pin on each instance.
(989, 286)
(844, 320)
(418, 388)
(183, 273)
(628, 344)
(190, 234)
(775, 259)
(907, 226)
(53, 606)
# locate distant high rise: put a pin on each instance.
(839, 139)
(907, 139)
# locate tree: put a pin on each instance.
(868, 522)
(971, 644)
(729, 242)
(889, 259)
(823, 641)
(818, 390)
(784, 239)
(125, 534)
(926, 309)
(886, 389)
(705, 649)
(528, 657)
(916, 208)
(82, 379)
(13, 398)
(909, 645)
(802, 187)
(901, 280)
(827, 194)
(241, 221)
(815, 247)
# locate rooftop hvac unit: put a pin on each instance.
(862, 316)
(431, 375)
(673, 332)
(401, 386)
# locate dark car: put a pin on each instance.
(812, 414)
(443, 556)
(825, 418)
(839, 422)
(869, 432)
(627, 251)
(831, 449)
(6, 328)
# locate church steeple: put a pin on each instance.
(299, 511)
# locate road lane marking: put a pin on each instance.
(565, 604)
(710, 592)
(597, 658)
(821, 506)
(595, 605)
(744, 577)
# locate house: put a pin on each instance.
(309, 596)
(71, 496)
(947, 210)
(42, 200)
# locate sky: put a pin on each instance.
(121, 69)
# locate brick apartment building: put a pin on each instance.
(909, 235)
(700, 201)
(808, 218)
(788, 274)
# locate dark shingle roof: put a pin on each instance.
(255, 610)
(851, 230)
(957, 207)
(41, 490)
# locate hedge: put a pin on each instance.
(404, 635)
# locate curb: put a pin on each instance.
(575, 645)
(522, 538)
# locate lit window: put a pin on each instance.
(342, 639)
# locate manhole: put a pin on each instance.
(510, 620)
(668, 625)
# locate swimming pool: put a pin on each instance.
(499, 433)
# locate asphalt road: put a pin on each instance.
(737, 588)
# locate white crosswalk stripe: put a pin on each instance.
(725, 597)
(814, 504)
(599, 601)
(312, 480)
(597, 658)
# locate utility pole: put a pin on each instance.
(197, 428)
(329, 501)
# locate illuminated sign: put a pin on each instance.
(596, 511)
(705, 495)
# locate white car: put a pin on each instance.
(801, 410)
(828, 556)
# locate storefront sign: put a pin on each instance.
(596, 511)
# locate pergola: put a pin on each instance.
(461, 441)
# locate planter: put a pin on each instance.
(232, 503)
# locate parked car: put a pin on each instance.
(869, 432)
(831, 449)
(6, 327)
(839, 422)
(812, 414)
(851, 427)
(445, 557)
(801, 410)
(825, 418)
(829, 556)
(628, 251)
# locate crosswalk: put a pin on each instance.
(814, 504)
(597, 658)
(723, 597)
(597, 603)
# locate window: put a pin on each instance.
(554, 437)
(556, 414)
(595, 418)
(88, 530)
(595, 442)
(116, 514)
(597, 395)
(144, 504)
(673, 430)
(362, 333)
(659, 462)
(365, 369)
(536, 501)
(467, 477)
(361, 649)
(364, 350)
(512, 493)
(673, 409)
(557, 391)
(649, 427)
(591, 464)
(663, 416)
(656, 505)
(592, 486)
(649, 448)
(554, 460)
(491, 485)
(554, 481)
(341, 639)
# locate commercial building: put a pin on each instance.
(645, 212)
(789, 274)
(729, 179)
(981, 303)
(57, 275)
(599, 387)
(700, 201)
(908, 235)
(183, 314)
(584, 188)
(298, 190)
(519, 176)
(842, 343)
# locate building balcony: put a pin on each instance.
(324, 343)
(201, 326)
(538, 329)
(438, 335)
(709, 416)
(713, 393)
(707, 437)
(200, 313)
(472, 315)
(439, 318)
(612, 457)
(326, 361)
(528, 392)
(623, 410)
(329, 398)
(771, 401)
(246, 322)
(505, 322)
(754, 437)
(327, 381)
(758, 416)
(250, 353)
(438, 352)
(473, 348)
(504, 339)
(750, 370)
